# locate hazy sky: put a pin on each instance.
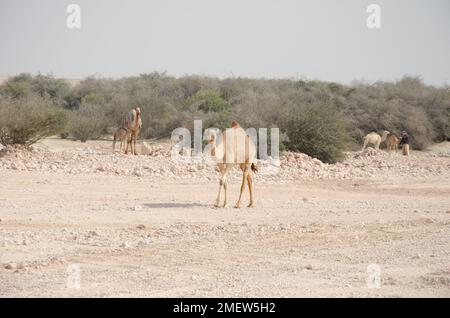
(312, 39)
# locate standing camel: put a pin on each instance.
(375, 139)
(121, 134)
(132, 123)
(234, 149)
(392, 142)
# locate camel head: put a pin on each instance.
(138, 110)
(212, 135)
(385, 135)
(235, 124)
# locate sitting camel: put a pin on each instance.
(375, 139)
(234, 149)
(392, 142)
(132, 123)
(121, 134)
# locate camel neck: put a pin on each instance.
(213, 149)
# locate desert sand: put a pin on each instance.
(141, 226)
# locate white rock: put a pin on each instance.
(11, 266)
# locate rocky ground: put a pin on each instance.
(97, 158)
(145, 226)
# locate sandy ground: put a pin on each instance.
(152, 237)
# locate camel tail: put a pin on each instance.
(254, 167)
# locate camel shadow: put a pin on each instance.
(165, 205)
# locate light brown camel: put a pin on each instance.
(375, 139)
(132, 123)
(392, 142)
(121, 135)
(234, 149)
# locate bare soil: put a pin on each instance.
(155, 233)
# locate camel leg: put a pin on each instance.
(135, 137)
(131, 143)
(365, 144)
(114, 146)
(216, 204)
(126, 148)
(249, 183)
(222, 171)
(128, 142)
(244, 179)
(377, 145)
(225, 186)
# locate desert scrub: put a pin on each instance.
(25, 121)
(167, 102)
(87, 123)
(318, 130)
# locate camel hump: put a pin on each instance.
(236, 146)
(235, 124)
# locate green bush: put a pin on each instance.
(87, 123)
(318, 130)
(167, 102)
(25, 121)
(209, 101)
(25, 85)
(16, 90)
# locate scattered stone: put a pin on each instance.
(367, 164)
(125, 245)
(11, 266)
(138, 173)
(140, 227)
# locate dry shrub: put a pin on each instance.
(27, 120)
